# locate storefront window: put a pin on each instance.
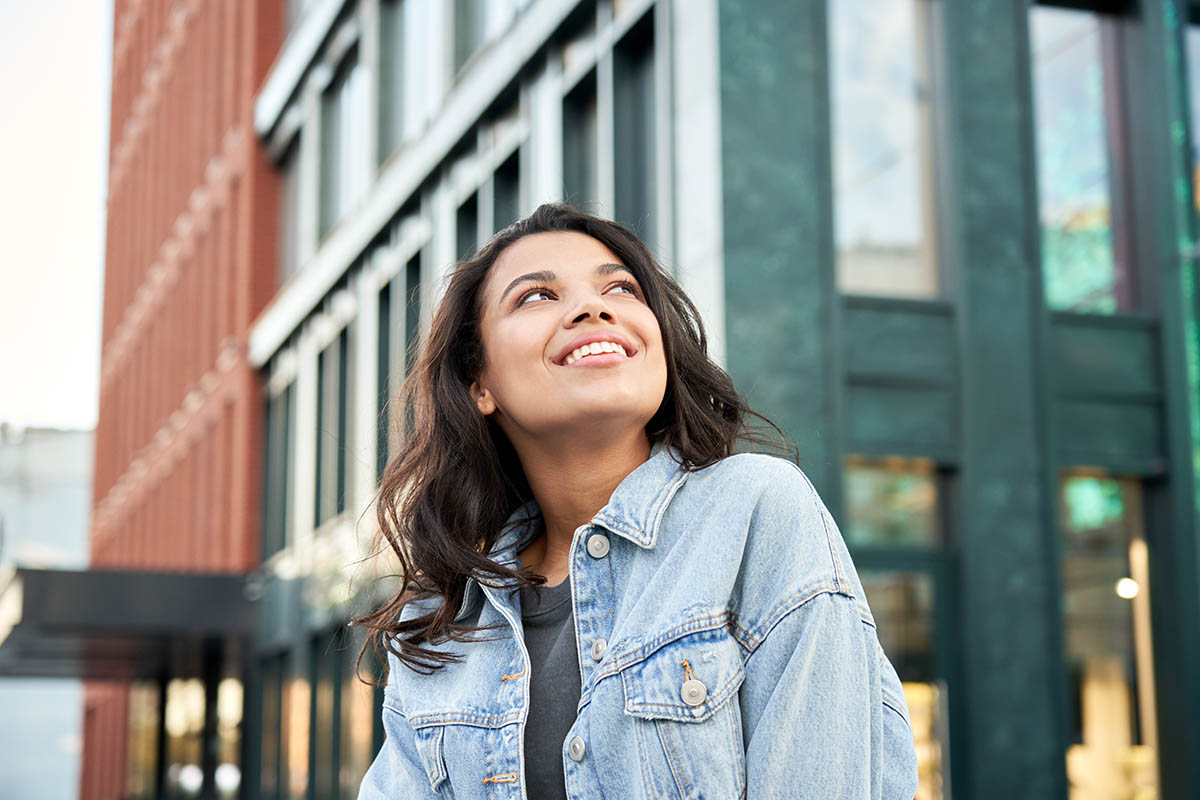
(902, 604)
(881, 94)
(891, 502)
(1106, 619)
(894, 527)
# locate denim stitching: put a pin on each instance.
(673, 761)
(787, 606)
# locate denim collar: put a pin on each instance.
(633, 511)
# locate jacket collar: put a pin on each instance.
(633, 511)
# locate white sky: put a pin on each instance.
(55, 63)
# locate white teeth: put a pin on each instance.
(592, 349)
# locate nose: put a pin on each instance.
(592, 306)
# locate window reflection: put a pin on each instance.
(1106, 619)
(891, 502)
(902, 604)
(1081, 267)
(881, 72)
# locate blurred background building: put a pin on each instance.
(45, 494)
(948, 246)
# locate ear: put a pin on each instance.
(483, 399)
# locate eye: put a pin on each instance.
(533, 292)
(630, 286)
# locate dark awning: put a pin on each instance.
(101, 624)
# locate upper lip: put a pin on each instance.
(598, 336)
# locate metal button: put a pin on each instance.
(597, 545)
(576, 748)
(693, 692)
(599, 647)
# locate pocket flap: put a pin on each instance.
(709, 662)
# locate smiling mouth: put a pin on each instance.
(598, 360)
(596, 350)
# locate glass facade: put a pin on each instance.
(883, 95)
(894, 526)
(1104, 569)
(1085, 265)
(343, 174)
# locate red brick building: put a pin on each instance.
(190, 261)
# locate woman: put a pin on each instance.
(667, 618)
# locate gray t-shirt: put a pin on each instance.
(554, 686)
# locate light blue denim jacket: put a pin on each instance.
(726, 650)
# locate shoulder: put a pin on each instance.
(789, 547)
(757, 480)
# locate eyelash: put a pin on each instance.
(546, 290)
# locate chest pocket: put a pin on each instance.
(683, 701)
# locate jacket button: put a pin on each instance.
(576, 748)
(599, 647)
(693, 692)
(597, 545)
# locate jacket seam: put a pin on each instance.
(752, 639)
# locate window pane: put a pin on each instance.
(270, 752)
(579, 145)
(891, 502)
(391, 76)
(467, 227)
(470, 28)
(1080, 270)
(383, 376)
(323, 758)
(358, 722)
(883, 143)
(507, 203)
(633, 129)
(343, 414)
(903, 605)
(143, 740)
(1193, 62)
(343, 108)
(289, 228)
(184, 721)
(1106, 620)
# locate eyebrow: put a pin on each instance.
(546, 276)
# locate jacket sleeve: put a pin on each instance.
(823, 713)
(397, 772)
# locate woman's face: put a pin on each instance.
(547, 295)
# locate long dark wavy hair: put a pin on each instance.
(455, 479)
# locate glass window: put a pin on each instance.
(412, 322)
(506, 206)
(903, 605)
(1104, 568)
(357, 746)
(228, 776)
(333, 373)
(579, 145)
(891, 502)
(143, 740)
(383, 376)
(634, 130)
(470, 30)
(881, 95)
(184, 721)
(343, 179)
(1193, 62)
(391, 77)
(276, 516)
(271, 747)
(1083, 267)
(467, 227)
(324, 660)
(289, 223)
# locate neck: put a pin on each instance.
(570, 484)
